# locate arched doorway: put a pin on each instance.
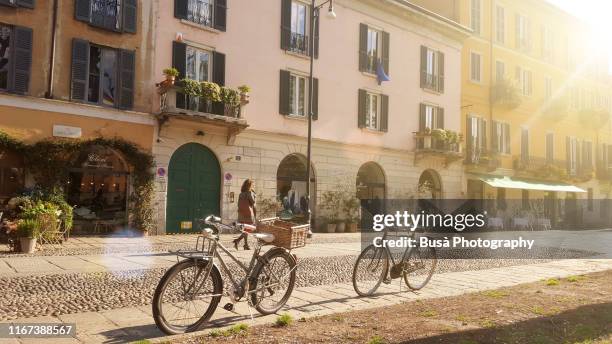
(98, 187)
(371, 192)
(430, 185)
(291, 179)
(194, 187)
(371, 182)
(12, 175)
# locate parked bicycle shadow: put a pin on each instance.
(580, 325)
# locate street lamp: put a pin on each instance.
(314, 14)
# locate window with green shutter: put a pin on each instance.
(294, 95)
(432, 69)
(374, 49)
(16, 45)
(102, 75)
(373, 111)
(18, 3)
(113, 15)
(210, 13)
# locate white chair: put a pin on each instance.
(520, 223)
(496, 222)
(543, 223)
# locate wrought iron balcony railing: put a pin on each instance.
(298, 43)
(200, 12)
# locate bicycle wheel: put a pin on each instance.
(273, 281)
(185, 298)
(419, 267)
(370, 270)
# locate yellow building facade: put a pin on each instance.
(535, 109)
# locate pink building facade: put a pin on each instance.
(364, 133)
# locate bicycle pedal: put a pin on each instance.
(229, 307)
(387, 281)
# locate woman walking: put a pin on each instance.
(247, 212)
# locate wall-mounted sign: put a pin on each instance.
(161, 172)
(66, 131)
(186, 225)
(228, 178)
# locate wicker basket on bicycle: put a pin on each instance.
(286, 234)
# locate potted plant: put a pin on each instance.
(210, 91)
(329, 205)
(191, 88)
(231, 100)
(27, 230)
(244, 94)
(351, 208)
(171, 74)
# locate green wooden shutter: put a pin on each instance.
(220, 22)
(22, 59)
(363, 47)
(130, 15)
(550, 152)
(423, 66)
(422, 120)
(386, 42)
(82, 10)
(384, 118)
(568, 155)
(361, 111)
(6, 3)
(525, 144)
(286, 24)
(507, 137)
(316, 38)
(285, 77)
(80, 70)
(483, 132)
(179, 61)
(578, 156)
(127, 71)
(218, 77)
(181, 9)
(469, 145)
(440, 118)
(441, 72)
(315, 99)
(495, 137)
(26, 3)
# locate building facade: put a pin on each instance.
(535, 109)
(77, 71)
(363, 134)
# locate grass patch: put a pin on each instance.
(429, 314)
(376, 340)
(142, 341)
(238, 329)
(462, 318)
(496, 294)
(552, 282)
(574, 279)
(283, 320)
(487, 323)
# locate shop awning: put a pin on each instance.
(526, 184)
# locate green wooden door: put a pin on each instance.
(194, 188)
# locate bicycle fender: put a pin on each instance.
(214, 267)
(262, 260)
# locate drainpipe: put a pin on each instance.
(49, 93)
(491, 64)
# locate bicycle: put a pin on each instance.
(372, 266)
(190, 291)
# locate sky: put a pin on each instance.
(596, 13)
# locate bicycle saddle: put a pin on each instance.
(265, 237)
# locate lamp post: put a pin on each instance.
(314, 15)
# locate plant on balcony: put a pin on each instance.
(191, 87)
(556, 108)
(594, 117)
(244, 93)
(210, 91)
(171, 74)
(506, 93)
(549, 171)
(439, 135)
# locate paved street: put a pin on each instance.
(111, 323)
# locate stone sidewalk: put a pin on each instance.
(130, 324)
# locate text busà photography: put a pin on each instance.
(306, 171)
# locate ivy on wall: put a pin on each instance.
(46, 160)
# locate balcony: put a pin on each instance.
(554, 170)
(604, 173)
(479, 158)
(179, 102)
(506, 94)
(200, 12)
(438, 142)
(594, 118)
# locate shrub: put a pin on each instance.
(244, 89)
(230, 96)
(171, 72)
(27, 228)
(210, 91)
(284, 320)
(191, 87)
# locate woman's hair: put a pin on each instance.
(247, 185)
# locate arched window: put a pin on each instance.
(371, 182)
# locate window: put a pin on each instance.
(373, 50)
(524, 78)
(500, 71)
(18, 3)
(547, 88)
(550, 147)
(15, 58)
(198, 67)
(500, 25)
(432, 69)
(475, 67)
(102, 75)
(501, 137)
(294, 94)
(547, 43)
(297, 95)
(572, 154)
(524, 144)
(476, 138)
(200, 12)
(475, 16)
(373, 110)
(431, 117)
(299, 39)
(523, 33)
(114, 15)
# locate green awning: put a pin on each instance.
(526, 184)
